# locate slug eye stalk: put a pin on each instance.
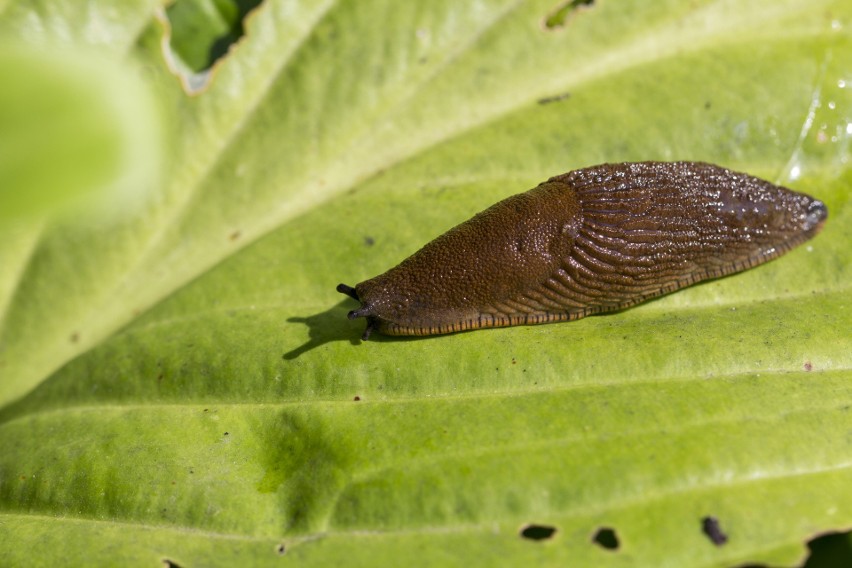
(349, 291)
(363, 311)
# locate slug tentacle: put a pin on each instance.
(371, 325)
(349, 291)
(593, 240)
(362, 312)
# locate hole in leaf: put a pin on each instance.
(202, 32)
(831, 550)
(559, 16)
(538, 532)
(606, 538)
(713, 530)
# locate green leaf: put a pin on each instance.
(88, 117)
(181, 384)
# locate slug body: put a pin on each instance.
(593, 240)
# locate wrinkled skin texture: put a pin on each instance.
(593, 240)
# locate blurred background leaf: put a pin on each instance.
(73, 124)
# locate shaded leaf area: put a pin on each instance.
(200, 33)
(204, 30)
(833, 550)
(188, 386)
(634, 457)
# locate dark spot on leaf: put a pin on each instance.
(808, 366)
(235, 235)
(606, 538)
(281, 550)
(707, 105)
(75, 337)
(170, 563)
(711, 527)
(831, 550)
(560, 15)
(369, 241)
(554, 98)
(538, 532)
(357, 398)
(226, 433)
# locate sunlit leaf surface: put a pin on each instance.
(180, 382)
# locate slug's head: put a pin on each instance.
(388, 311)
(365, 311)
(815, 216)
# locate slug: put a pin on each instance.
(592, 240)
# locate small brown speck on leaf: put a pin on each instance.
(553, 99)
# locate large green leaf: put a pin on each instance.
(181, 383)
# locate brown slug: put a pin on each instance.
(593, 240)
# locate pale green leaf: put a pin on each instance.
(181, 383)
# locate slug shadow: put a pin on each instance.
(325, 327)
(334, 325)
